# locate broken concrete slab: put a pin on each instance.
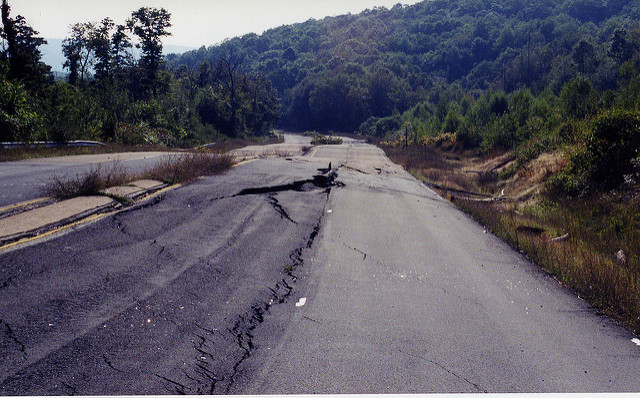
(148, 184)
(134, 188)
(127, 191)
(41, 217)
(27, 220)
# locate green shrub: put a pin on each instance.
(614, 145)
(380, 127)
(608, 157)
(574, 180)
(326, 140)
(469, 136)
(19, 120)
(577, 98)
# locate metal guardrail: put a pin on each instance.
(50, 144)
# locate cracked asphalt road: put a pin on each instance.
(267, 280)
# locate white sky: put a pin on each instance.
(195, 22)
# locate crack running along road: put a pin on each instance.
(402, 293)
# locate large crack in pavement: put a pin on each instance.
(318, 182)
(205, 377)
(243, 329)
(279, 207)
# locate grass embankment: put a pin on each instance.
(172, 169)
(591, 244)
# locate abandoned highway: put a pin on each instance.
(274, 278)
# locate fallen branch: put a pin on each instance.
(560, 238)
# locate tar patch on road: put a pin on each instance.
(318, 182)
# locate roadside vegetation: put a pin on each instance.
(220, 146)
(13, 154)
(186, 167)
(171, 169)
(319, 139)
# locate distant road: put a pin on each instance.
(266, 280)
(22, 180)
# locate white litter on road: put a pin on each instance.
(636, 341)
(301, 302)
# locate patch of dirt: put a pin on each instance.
(494, 163)
(530, 178)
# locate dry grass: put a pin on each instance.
(185, 167)
(451, 171)
(171, 169)
(88, 183)
(595, 272)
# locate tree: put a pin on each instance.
(150, 25)
(613, 147)
(577, 98)
(22, 53)
(100, 43)
(19, 121)
(386, 92)
(227, 75)
(120, 44)
(263, 104)
(621, 49)
(78, 51)
(584, 55)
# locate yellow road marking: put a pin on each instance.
(243, 162)
(88, 219)
(27, 203)
(165, 189)
(53, 231)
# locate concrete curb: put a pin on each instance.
(33, 218)
(21, 207)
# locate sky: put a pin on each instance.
(195, 22)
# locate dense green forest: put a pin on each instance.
(497, 74)
(338, 73)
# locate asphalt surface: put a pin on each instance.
(267, 280)
(23, 180)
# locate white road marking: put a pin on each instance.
(636, 341)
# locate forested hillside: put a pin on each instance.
(337, 73)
